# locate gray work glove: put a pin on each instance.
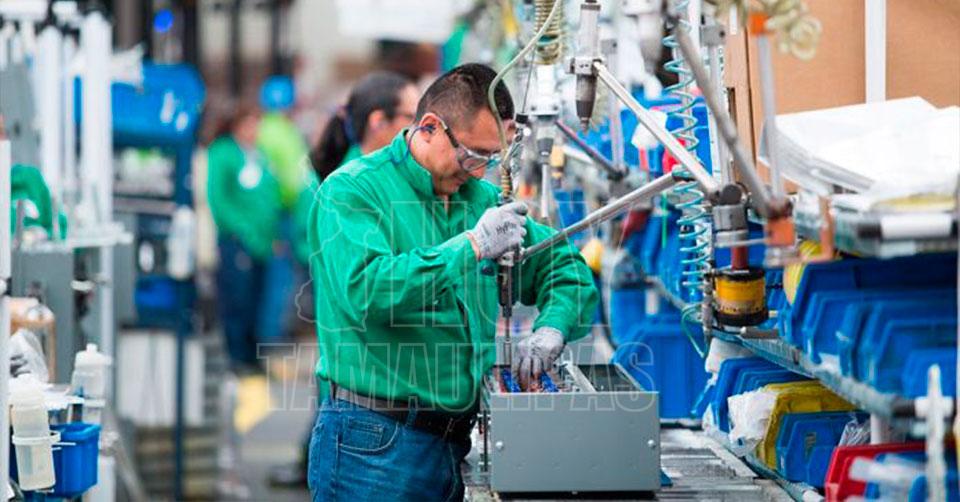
(537, 353)
(499, 230)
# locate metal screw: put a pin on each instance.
(498, 445)
(652, 444)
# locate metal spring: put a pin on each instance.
(694, 221)
(550, 46)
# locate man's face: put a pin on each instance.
(381, 130)
(443, 159)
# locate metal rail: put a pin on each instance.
(605, 213)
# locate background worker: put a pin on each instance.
(286, 151)
(406, 321)
(245, 203)
(379, 106)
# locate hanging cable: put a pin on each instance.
(506, 183)
(694, 221)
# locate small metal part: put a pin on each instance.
(730, 223)
(712, 35)
(652, 444)
(498, 445)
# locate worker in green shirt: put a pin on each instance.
(245, 204)
(380, 105)
(285, 150)
(406, 316)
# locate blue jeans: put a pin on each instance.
(279, 285)
(239, 298)
(359, 454)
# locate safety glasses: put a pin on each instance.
(468, 159)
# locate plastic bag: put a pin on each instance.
(855, 433)
(720, 351)
(27, 354)
(749, 416)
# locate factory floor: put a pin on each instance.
(274, 411)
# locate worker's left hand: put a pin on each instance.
(536, 353)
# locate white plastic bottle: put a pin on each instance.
(90, 381)
(180, 244)
(31, 434)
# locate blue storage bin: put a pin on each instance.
(865, 320)
(912, 272)
(751, 379)
(806, 442)
(726, 381)
(918, 490)
(571, 208)
(660, 357)
(885, 359)
(914, 376)
(75, 459)
(627, 310)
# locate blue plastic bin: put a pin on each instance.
(726, 381)
(75, 460)
(660, 357)
(885, 358)
(914, 376)
(907, 273)
(806, 442)
(918, 491)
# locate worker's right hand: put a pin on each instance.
(499, 230)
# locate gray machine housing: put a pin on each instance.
(600, 433)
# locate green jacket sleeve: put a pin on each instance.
(224, 162)
(560, 284)
(372, 281)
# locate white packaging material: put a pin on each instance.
(644, 139)
(855, 433)
(749, 416)
(720, 351)
(24, 343)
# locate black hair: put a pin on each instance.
(462, 92)
(377, 91)
(228, 121)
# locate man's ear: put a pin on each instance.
(376, 120)
(429, 124)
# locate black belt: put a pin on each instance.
(448, 426)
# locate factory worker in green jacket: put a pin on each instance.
(244, 200)
(380, 105)
(406, 316)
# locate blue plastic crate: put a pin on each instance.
(867, 319)
(726, 382)
(907, 273)
(914, 376)
(918, 490)
(627, 310)
(75, 460)
(751, 379)
(806, 442)
(885, 358)
(571, 208)
(660, 357)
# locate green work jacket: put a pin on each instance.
(286, 150)
(243, 196)
(403, 307)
